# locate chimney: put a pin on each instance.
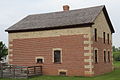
(66, 8)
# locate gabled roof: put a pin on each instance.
(63, 19)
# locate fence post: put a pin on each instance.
(41, 69)
(13, 71)
(9, 69)
(1, 70)
(34, 70)
(27, 72)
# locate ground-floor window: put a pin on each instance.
(57, 56)
(108, 56)
(62, 73)
(105, 56)
(39, 59)
(96, 56)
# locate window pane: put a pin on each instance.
(104, 36)
(57, 56)
(104, 56)
(39, 60)
(62, 73)
(108, 56)
(108, 38)
(96, 58)
(95, 34)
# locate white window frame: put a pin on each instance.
(62, 70)
(53, 54)
(40, 57)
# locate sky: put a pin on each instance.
(12, 11)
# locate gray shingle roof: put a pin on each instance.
(57, 19)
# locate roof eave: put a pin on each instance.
(51, 28)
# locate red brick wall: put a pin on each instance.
(102, 67)
(25, 51)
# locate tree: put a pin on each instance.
(114, 50)
(3, 50)
(119, 49)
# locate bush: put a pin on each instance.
(116, 56)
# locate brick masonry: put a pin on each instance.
(102, 67)
(25, 52)
(102, 26)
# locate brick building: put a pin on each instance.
(70, 42)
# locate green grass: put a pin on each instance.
(117, 63)
(116, 52)
(115, 75)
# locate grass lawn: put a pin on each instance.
(117, 63)
(115, 75)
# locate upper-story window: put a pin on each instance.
(57, 56)
(108, 38)
(104, 37)
(95, 33)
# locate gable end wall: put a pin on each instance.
(102, 26)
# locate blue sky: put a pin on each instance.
(12, 11)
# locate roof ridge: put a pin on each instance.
(67, 11)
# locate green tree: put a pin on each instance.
(119, 49)
(114, 50)
(3, 50)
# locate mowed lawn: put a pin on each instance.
(115, 75)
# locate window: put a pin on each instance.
(95, 32)
(62, 73)
(57, 56)
(39, 59)
(96, 57)
(104, 37)
(108, 56)
(108, 38)
(105, 56)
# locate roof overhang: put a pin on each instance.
(51, 28)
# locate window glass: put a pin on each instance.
(57, 56)
(39, 60)
(96, 56)
(108, 56)
(62, 73)
(104, 37)
(95, 34)
(105, 56)
(108, 38)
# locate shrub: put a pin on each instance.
(116, 56)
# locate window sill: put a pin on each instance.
(57, 63)
(39, 63)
